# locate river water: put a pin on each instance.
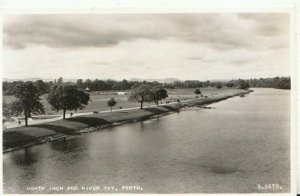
(239, 145)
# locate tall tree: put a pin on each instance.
(67, 97)
(28, 100)
(158, 93)
(111, 103)
(141, 94)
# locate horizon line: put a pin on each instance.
(137, 79)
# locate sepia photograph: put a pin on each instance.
(147, 103)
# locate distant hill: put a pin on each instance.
(220, 80)
(23, 79)
(166, 80)
(35, 79)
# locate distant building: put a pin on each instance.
(120, 93)
(87, 89)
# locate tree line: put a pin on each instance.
(105, 85)
(276, 82)
(69, 96)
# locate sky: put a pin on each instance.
(197, 46)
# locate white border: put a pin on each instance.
(178, 6)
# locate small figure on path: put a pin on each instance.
(71, 114)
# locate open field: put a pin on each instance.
(99, 100)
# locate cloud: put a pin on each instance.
(187, 46)
(268, 24)
(219, 31)
(72, 31)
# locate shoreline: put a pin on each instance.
(25, 137)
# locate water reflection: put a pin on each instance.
(146, 122)
(26, 156)
(25, 167)
(69, 144)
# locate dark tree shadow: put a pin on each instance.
(25, 157)
(170, 108)
(16, 138)
(154, 110)
(59, 129)
(66, 145)
(122, 112)
(90, 121)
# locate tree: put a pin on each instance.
(111, 103)
(284, 83)
(219, 85)
(41, 86)
(67, 97)
(6, 112)
(157, 94)
(197, 92)
(243, 85)
(88, 84)
(247, 85)
(141, 94)
(230, 84)
(60, 80)
(8, 88)
(28, 101)
(80, 84)
(206, 84)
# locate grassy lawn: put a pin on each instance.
(99, 100)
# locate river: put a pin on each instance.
(235, 147)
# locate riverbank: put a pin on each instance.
(22, 137)
(98, 103)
